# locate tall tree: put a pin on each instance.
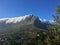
(57, 17)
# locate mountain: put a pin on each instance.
(9, 24)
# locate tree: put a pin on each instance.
(57, 17)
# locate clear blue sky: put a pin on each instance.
(40, 8)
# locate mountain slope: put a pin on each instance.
(11, 24)
(7, 24)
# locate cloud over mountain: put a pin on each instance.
(21, 18)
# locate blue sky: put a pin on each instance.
(41, 8)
